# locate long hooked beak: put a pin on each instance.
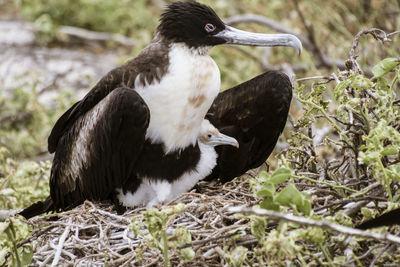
(223, 139)
(234, 36)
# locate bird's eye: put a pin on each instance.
(209, 135)
(209, 27)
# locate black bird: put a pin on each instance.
(387, 219)
(143, 118)
(254, 113)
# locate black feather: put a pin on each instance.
(255, 114)
(185, 22)
(38, 208)
(387, 219)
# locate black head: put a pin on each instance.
(197, 25)
(192, 23)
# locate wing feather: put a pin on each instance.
(254, 113)
(150, 65)
(92, 160)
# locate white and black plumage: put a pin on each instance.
(156, 191)
(143, 119)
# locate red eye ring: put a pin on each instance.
(209, 27)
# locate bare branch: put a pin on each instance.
(61, 244)
(96, 36)
(352, 63)
(393, 33)
(314, 78)
(4, 214)
(385, 237)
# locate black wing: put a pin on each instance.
(387, 219)
(255, 113)
(114, 141)
(151, 64)
(98, 152)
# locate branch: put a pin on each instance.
(4, 214)
(61, 244)
(201, 242)
(386, 237)
(106, 213)
(96, 36)
(352, 63)
(314, 48)
(393, 33)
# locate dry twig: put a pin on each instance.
(386, 237)
(352, 63)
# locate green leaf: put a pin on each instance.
(236, 257)
(305, 207)
(280, 176)
(366, 212)
(338, 91)
(339, 260)
(187, 254)
(263, 176)
(27, 255)
(289, 195)
(268, 204)
(389, 151)
(183, 236)
(258, 226)
(268, 190)
(384, 67)
(3, 226)
(369, 157)
(393, 172)
(315, 234)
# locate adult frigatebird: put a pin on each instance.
(143, 119)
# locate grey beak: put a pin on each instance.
(223, 139)
(234, 36)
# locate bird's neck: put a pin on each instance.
(180, 101)
(207, 162)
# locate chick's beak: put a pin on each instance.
(223, 139)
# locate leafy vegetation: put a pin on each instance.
(156, 224)
(25, 124)
(361, 148)
(343, 133)
(12, 232)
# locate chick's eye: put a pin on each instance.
(209, 135)
(209, 27)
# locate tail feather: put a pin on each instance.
(38, 208)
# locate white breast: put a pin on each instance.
(180, 101)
